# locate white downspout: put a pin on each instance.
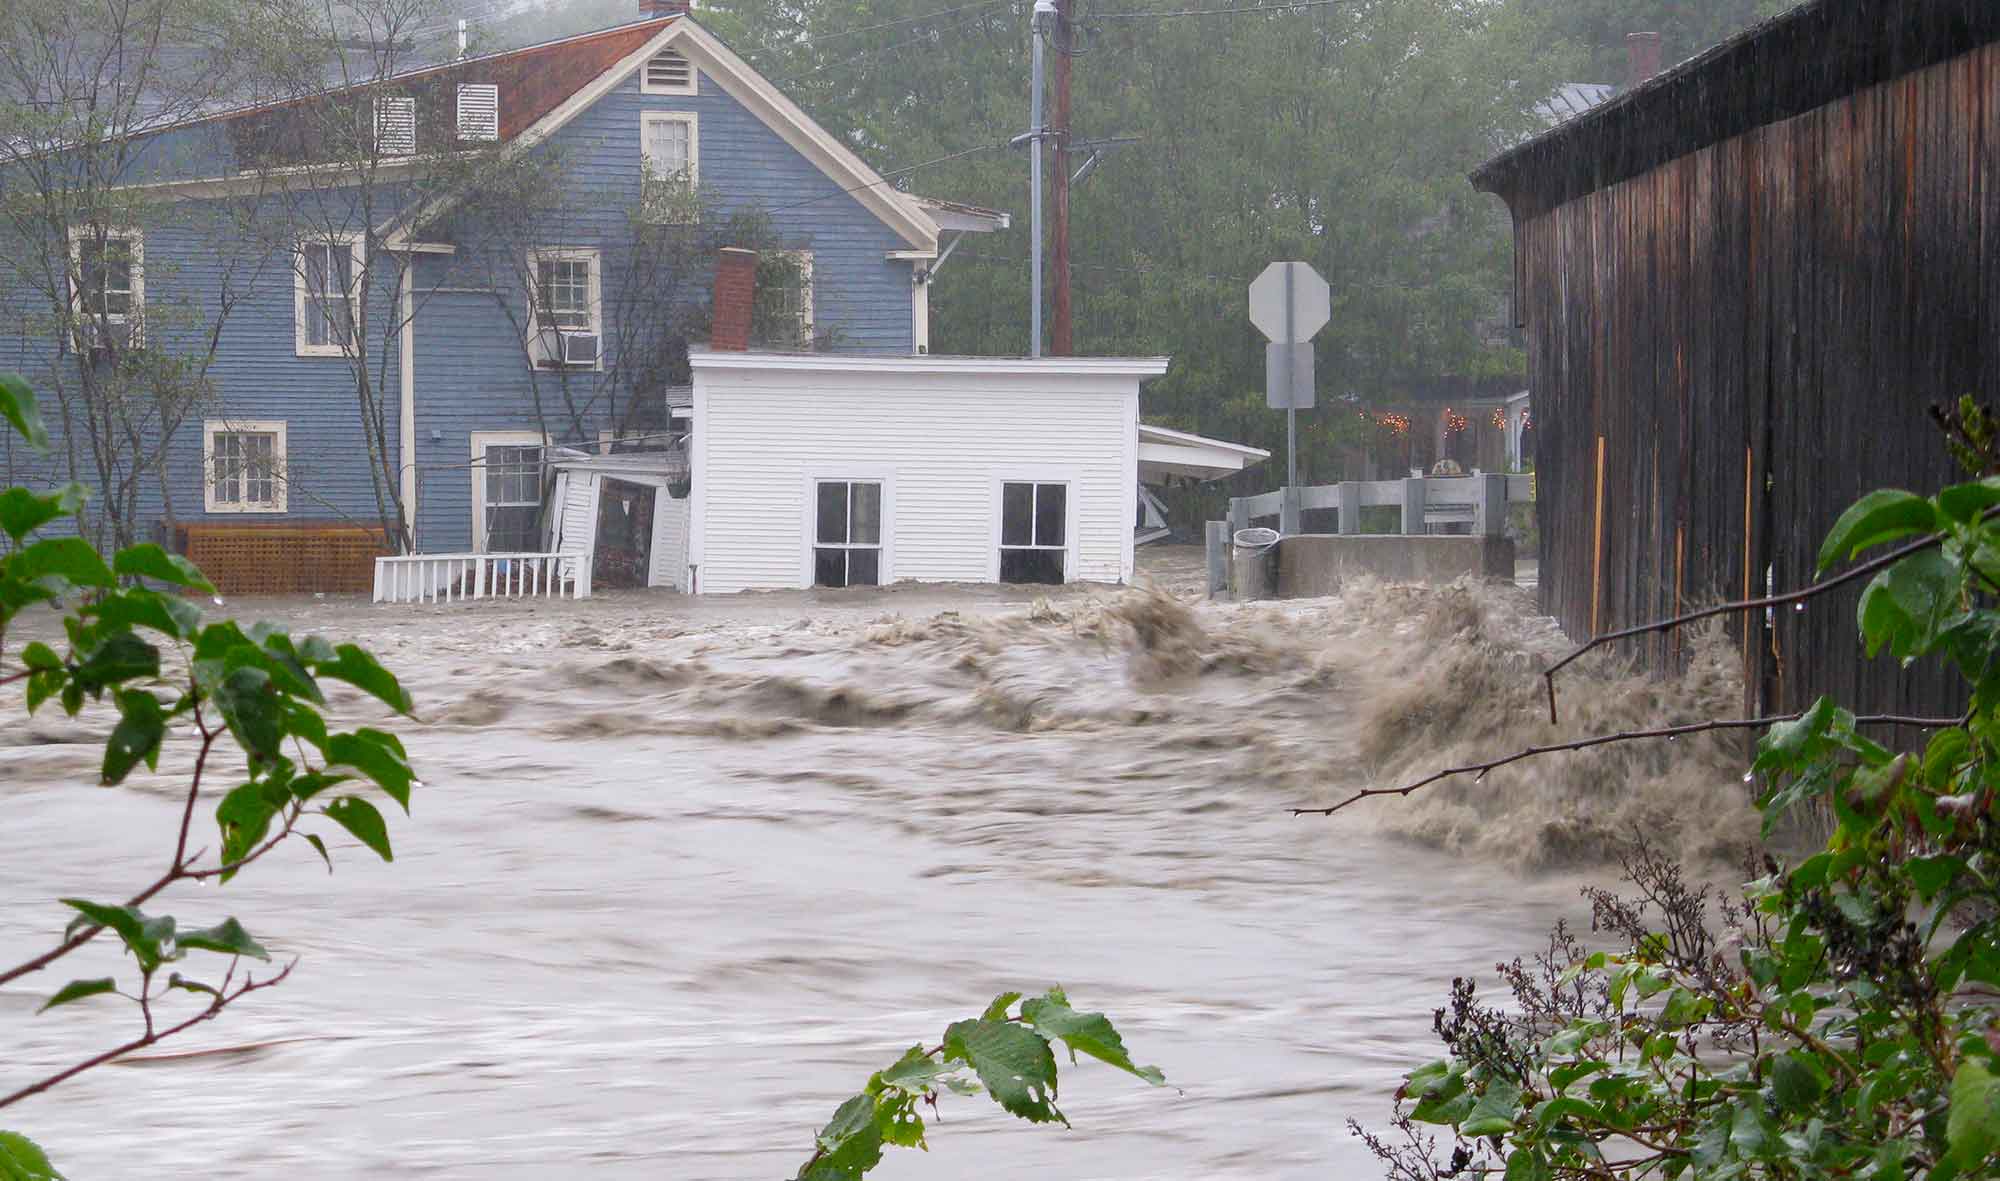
(407, 420)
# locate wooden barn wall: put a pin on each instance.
(1729, 349)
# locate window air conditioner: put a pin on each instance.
(579, 349)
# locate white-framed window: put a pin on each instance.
(243, 466)
(566, 297)
(1034, 531)
(667, 72)
(507, 491)
(478, 111)
(108, 280)
(395, 125)
(792, 296)
(847, 533)
(670, 164)
(326, 280)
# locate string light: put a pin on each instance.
(1499, 419)
(1527, 423)
(1454, 421)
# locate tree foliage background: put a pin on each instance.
(1336, 131)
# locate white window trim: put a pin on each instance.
(539, 342)
(78, 235)
(693, 121)
(803, 259)
(692, 87)
(1037, 475)
(356, 248)
(809, 517)
(481, 440)
(280, 481)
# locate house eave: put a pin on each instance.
(1065, 367)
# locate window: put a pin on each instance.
(567, 301)
(507, 492)
(847, 533)
(107, 280)
(395, 126)
(245, 467)
(478, 111)
(1034, 524)
(667, 72)
(326, 275)
(783, 316)
(669, 164)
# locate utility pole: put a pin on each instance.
(1061, 344)
(1038, 31)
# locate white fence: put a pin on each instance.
(446, 578)
(1480, 501)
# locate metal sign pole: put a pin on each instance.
(1292, 411)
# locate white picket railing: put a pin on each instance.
(447, 578)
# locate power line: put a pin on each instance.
(928, 39)
(1161, 13)
(908, 20)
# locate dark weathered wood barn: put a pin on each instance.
(1741, 285)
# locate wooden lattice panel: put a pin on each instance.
(284, 558)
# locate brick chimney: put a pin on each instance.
(735, 291)
(1642, 58)
(651, 9)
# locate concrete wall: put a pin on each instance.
(1316, 564)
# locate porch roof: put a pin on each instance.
(1164, 452)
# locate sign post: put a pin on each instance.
(1289, 304)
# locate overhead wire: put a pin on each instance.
(1245, 10)
(892, 174)
(929, 38)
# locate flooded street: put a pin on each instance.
(682, 874)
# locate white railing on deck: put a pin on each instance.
(446, 578)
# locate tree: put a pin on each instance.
(124, 347)
(1846, 1023)
(1686, 27)
(147, 655)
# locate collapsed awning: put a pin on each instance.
(1164, 453)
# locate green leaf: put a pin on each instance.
(378, 756)
(150, 561)
(20, 1159)
(71, 558)
(1930, 875)
(1087, 1033)
(22, 512)
(138, 607)
(121, 657)
(38, 655)
(1797, 1082)
(250, 707)
(1906, 606)
(227, 937)
(17, 406)
(1973, 1129)
(1883, 515)
(359, 669)
(176, 980)
(1013, 1061)
(1963, 502)
(915, 1073)
(1495, 1112)
(150, 940)
(142, 724)
(1553, 1111)
(997, 1011)
(359, 817)
(851, 1143)
(76, 990)
(1524, 1165)
(318, 845)
(244, 816)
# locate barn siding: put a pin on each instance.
(944, 442)
(1752, 332)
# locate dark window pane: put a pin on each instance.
(1051, 511)
(1031, 565)
(1017, 514)
(864, 567)
(867, 520)
(832, 515)
(512, 529)
(829, 567)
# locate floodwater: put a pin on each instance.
(681, 874)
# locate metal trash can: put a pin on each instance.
(1253, 565)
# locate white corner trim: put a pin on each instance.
(280, 477)
(920, 318)
(406, 419)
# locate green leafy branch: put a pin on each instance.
(1008, 1054)
(134, 640)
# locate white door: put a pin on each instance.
(506, 491)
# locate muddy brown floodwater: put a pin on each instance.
(682, 874)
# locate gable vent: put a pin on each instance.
(668, 73)
(478, 111)
(395, 126)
